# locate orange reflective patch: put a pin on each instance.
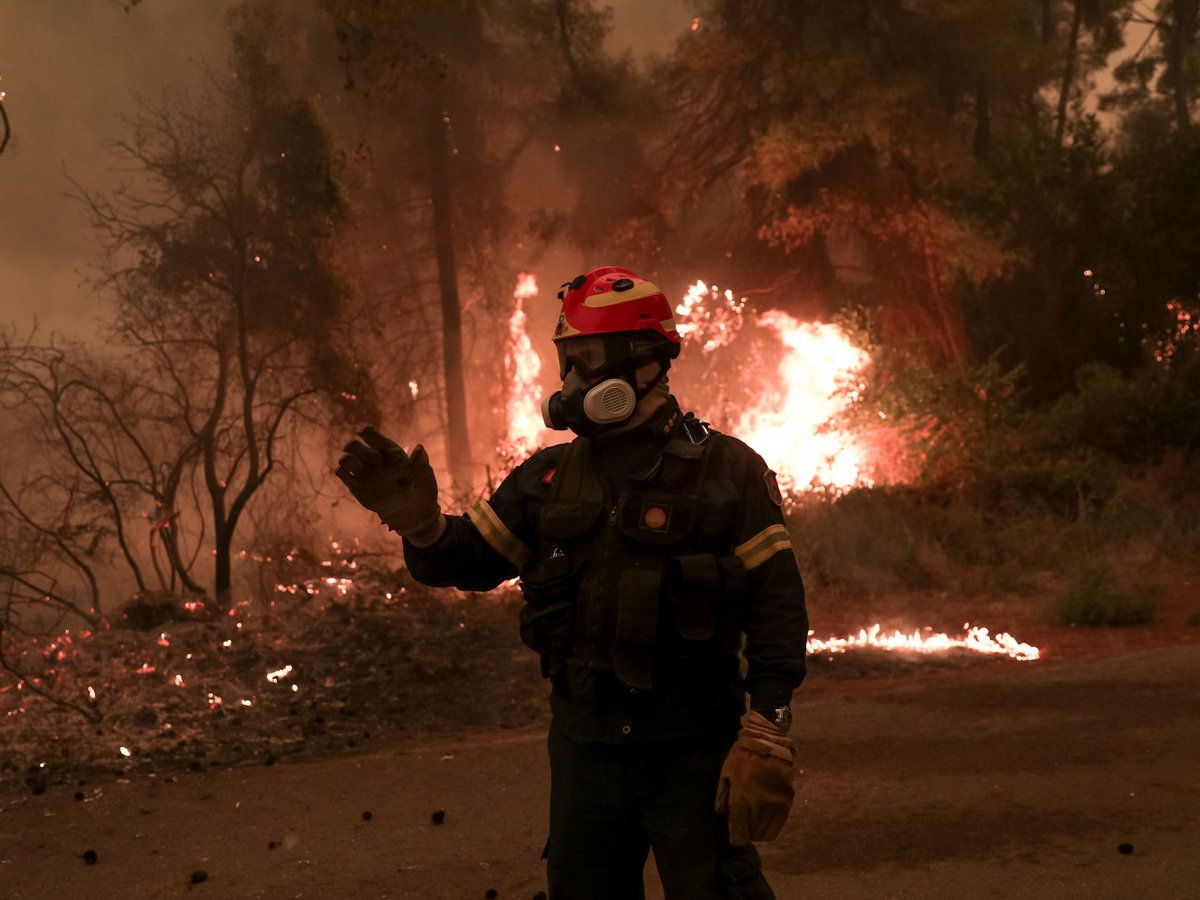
(655, 518)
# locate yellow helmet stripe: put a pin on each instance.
(492, 530)
(756, 551)
(612, 298)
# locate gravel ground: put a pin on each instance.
(1068, 778)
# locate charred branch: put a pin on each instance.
(5, 128)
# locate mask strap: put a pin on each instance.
(631, 377)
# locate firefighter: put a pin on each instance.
(653, 559)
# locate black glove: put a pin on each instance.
(401, 489)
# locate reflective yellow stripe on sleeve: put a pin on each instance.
(756, 551)
(503, 541)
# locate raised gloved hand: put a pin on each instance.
(401, 489)
(755, 789)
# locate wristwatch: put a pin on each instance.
(779, 716)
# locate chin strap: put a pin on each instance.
(642, 393)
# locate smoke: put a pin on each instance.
(70, 70)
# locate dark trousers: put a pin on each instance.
(610, 805)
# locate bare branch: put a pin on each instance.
(5, 125)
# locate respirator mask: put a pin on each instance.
(607, 393)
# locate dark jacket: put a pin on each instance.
(695, 685)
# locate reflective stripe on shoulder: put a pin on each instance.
(496, 533)
(756, 551)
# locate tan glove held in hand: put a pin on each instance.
(755, 789)
(401, 489)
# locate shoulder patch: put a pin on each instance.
(773, 491)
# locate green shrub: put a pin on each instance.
(884, 538)
(1137, 510)
(1065, 487)
(1134, 418)
(1095, 598)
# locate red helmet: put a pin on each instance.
(610, 300)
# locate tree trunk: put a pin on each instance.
(5, 129)
(1180, 40)
(983, 120)
(946, 313)
(1064, 94)
(223, 569)
(458, 442)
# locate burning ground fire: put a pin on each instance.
(975, 639)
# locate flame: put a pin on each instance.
(790, 426)
(975, 639)
(526, 430)
(786, 408)
(782, 407)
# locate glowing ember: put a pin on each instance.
(976, 639)
(341, 586)
(274, 677)
(1185, 327)
(125, 751)
(710, 316)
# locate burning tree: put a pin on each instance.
(453, 97)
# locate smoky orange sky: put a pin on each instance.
(70, 70)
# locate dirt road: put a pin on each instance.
(1012, 780)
